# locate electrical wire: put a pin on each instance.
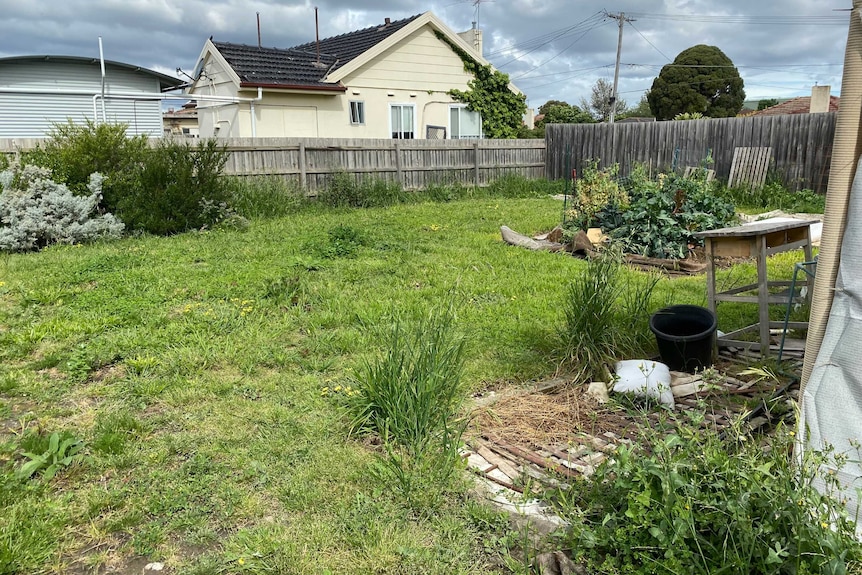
(668, 58)
(544, 39)
(743, 19)
(555, 56)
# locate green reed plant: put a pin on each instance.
(606, 314)
(410, 398)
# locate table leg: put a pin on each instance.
(763, 296)
(709, 248)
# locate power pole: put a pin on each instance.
(621, 18)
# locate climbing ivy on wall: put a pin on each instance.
(488, 93)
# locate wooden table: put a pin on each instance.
(757, 240)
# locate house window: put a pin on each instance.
(357, 112)
(464, 123)
(402, 121)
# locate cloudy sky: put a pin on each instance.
(552, 49)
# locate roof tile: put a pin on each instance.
(299, 66)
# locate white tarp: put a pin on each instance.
(832, 399)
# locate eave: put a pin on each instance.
(296, 88)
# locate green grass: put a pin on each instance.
(192, 367)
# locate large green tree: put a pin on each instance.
(700, 79)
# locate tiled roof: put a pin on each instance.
(799, 105)
(299, 66)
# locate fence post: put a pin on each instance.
(303, 171)
(476, 163)
(399, 168)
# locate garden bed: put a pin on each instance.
(553, 432)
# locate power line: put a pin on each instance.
(742, 19)
(546, 39)
(668, 58)
(575, 41)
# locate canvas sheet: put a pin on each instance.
(832, 401)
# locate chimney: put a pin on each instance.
(820, 97)
(473, 37)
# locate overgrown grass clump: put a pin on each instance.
(606, 316)
(683, 499)
(774, 196)
(411, 397)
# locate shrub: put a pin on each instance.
(178, 188)
(74, 151)
(35, 211)
(595, 189)
(687, 500)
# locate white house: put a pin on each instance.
(38, 91)
(387, 81)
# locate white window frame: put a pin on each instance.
(452, 135)
(404, 105)
(357, 106)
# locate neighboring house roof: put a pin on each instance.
(300, 67)
(181, 114)
(165, 82)
(277, 67)
(799, 105)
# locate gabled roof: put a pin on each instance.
(346, 47)
(165, 82)
(799, 105)
(300, 66)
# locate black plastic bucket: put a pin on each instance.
(685, 336)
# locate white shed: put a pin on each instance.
(38, 91)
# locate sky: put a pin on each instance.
(551, 49)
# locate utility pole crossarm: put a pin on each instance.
(621, 18)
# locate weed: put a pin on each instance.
(410, 398)
(62, 450)
(113, 430)
(685, 500)
(606, 315)
(343, 242)
(285, 290)
(264, 197)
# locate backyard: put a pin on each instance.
(183, 404)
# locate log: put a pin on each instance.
(512, 237)
(685, 266)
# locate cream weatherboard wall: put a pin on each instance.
(417, 72)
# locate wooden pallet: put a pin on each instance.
(749, 167)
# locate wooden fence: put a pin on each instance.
(801, 145)
(311, 162)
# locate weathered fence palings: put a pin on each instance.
(311, 162)
(801, 145)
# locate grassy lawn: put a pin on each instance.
(193, 369)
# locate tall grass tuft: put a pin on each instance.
(410, 397)
(347, 191)
(606, 315)
(263, 197)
